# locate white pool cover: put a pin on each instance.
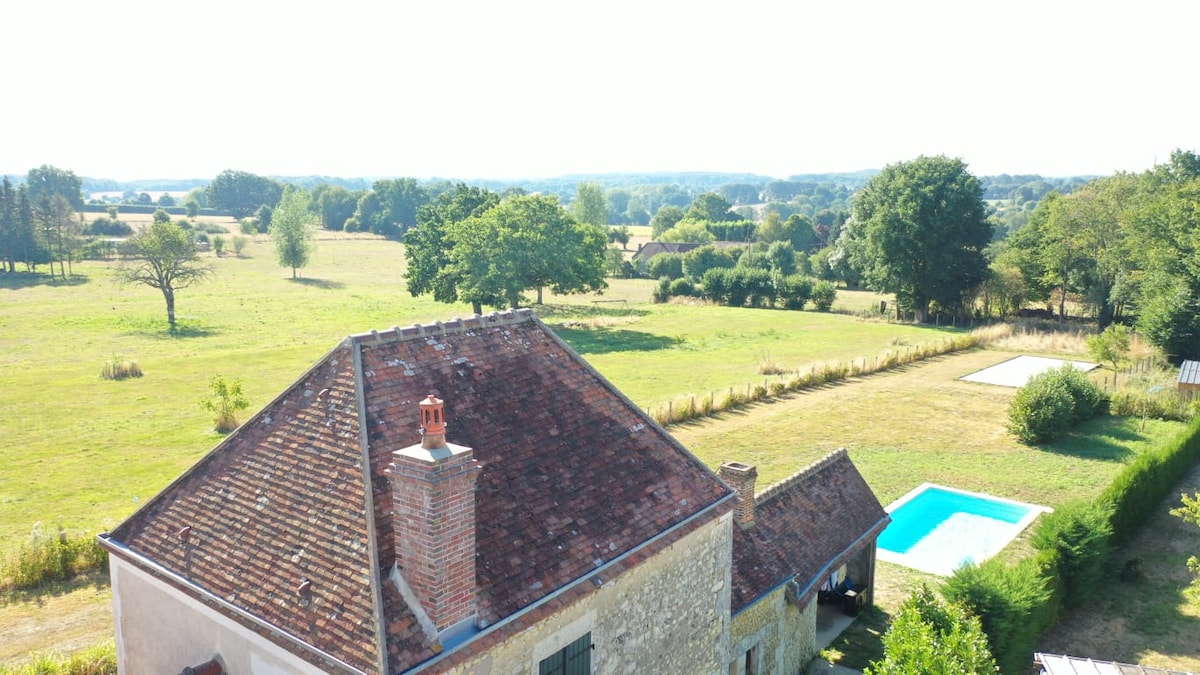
(1015, 372)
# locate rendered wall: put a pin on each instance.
(160, 631)
(786, 635)
(669, 614)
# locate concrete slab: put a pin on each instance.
(1015, 372)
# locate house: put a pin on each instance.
(819, 524)
(468, 497)
(1189, 379)
(650, 249)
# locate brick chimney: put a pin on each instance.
(741, 478)
(433, 495)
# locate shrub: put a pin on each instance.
(249, 226)
(225, 401)
(117, 368)
(823, 295)
(682, 288)
(662, 291)
(1147, 480)
(1008, 602)
(669, 265)
(218, 244)
(929, 636)
(108, 227)
(1089, 400)
(1079, 534)
(44, 558)
(1040, 411)
(239, 245)
(795, 291)
(99, 659)
(1164, 404)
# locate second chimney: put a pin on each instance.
(433, 495)
(741, 478)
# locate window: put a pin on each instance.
(747, 665)
(574, 659)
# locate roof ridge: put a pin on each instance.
(451, 327)
(803, 474)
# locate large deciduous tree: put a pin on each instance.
(291, 229)
(589, 205)
(390, 208)
(919, 231)
(163, 257)
(427, 246)
(522, 243)
(46, 181)
(242, 193)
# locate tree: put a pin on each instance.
(427, 246)
(224, 401)
(712, 207)
(589, 205)
(664, 219)
(921, 228)
(391, 207)
(163, 257)
(334, 205)
(17, 240)
(688, 232)
(522, 243)
(619, 235)
(241, 192)
(932, 637)
(291, 229)
(1112, 345)
(47, 181)
(58, 229)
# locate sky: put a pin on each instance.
(511, 89)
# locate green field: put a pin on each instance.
(81, 452)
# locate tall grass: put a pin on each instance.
(43, 558)
(99, 659)
(690, 408)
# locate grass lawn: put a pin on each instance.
(82, 452)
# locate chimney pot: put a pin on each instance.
(433, 423)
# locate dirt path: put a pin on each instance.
(76, 617)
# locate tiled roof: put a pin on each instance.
(1053, 664)
(653, 248)
(804, 525)
(573, 476)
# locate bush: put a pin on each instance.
(239, 245)
(795, 291)
(99, 659)
(929, 636)
(44, 558)
(1165, 404)
(1147, 480)
(225, 401)
(108, 227)
(249, 226)
(662, 291)
(1040, 411)
(1008, 602)
(682, 287)
(118, 368)
(1079, 534)
(669, 265)
(218, 244)
(823, 295)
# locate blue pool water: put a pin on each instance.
(937, 529)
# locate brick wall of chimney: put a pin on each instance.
(741, 477)
(433, 497)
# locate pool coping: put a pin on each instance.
(903, 559)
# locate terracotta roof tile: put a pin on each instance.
(573, 476)
(803, 524)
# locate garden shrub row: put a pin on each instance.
(692, 408)
(99, 659)
(1016, 604)
(45, 558)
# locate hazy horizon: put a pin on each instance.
(529, 89)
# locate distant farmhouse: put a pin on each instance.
(650, 249)
(472, 497)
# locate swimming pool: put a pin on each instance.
(936, 529)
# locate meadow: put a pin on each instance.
(81, 453)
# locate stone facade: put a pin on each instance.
(669, 614)
(780, 637)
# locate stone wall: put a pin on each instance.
(669, 614)
(785, 635)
